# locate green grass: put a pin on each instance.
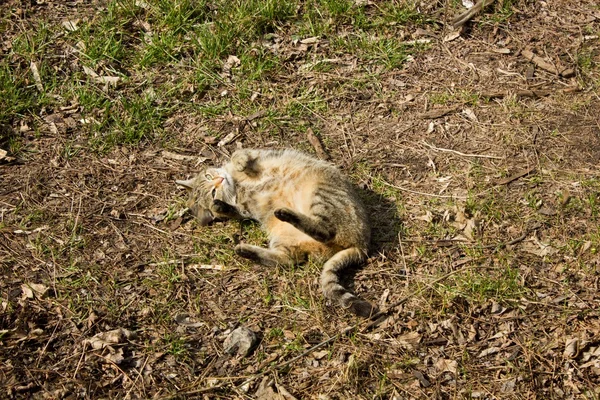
(167, 53)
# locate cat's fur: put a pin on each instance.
(306, 206)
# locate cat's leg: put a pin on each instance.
(245, 160)
(317, 226)
(219, 207)
(260, 255)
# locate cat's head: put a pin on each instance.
(209, 185)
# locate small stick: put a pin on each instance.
(543, 64)
(36, 76)
(439, 196)
(382, 315)
(516, 176)
(316, 143)
(461, 154)
(528, 92)
(461, 19)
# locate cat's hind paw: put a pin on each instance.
(287, 215)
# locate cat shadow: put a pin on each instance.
(386, 225)
(385, 221)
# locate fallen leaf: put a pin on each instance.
(310, 40)
(227, 139)
(31, 290)
(36, 76)
(408, 341)
(572, 346)
(470, 114)
(451, 36)
(443, 365)
(508, 386)
(70, 25)
(106, 339)
(489, 351)
(184, 320)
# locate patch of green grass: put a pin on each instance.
(503, 285)
(380, 50)
(166, 53)
(175, 345)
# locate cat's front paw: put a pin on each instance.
(241, 160)
(286, 215)
(221, 207)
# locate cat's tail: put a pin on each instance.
(333, 290)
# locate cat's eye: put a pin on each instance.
(208, 177)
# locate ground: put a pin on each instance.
(478, 162)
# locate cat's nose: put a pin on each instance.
(218, 180)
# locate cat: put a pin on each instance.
(306, 206)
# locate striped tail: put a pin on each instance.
(332, 288)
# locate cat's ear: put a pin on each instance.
(188, 184)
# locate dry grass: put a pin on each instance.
(484, 199)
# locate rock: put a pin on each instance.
(240, 342)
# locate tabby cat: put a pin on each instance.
(306, 206)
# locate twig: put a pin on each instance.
(316, 143)
(535, 93)
(516, 176)
(383, 314)
(403, 256)
(461, 19)
(440, 196)
(546, 66)
(438, 112)
(36, 76)
(461, 154)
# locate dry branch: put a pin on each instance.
(534, 93)
(316, 143)
(516, 176)
(434, 148)
(461, 19)
(438, 112)
(545, 65)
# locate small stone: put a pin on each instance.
(240, 342)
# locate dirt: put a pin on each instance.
(95, 242)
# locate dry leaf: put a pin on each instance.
(310, 40)
(428, 217)
(71, 25)
(489, 351)
(572, 346)
(227, 139)
(90, 72)
(105, 339)
(451, 36)
(408, 341)
(31, 290)
(115, 356)
(265, 391)
(184, 320)
(232, 62)
(36, 76)
(538, 248)
(470, 114)
(442, 365)
(3, 153)
(508, 386)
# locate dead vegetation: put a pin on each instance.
(477, 152)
